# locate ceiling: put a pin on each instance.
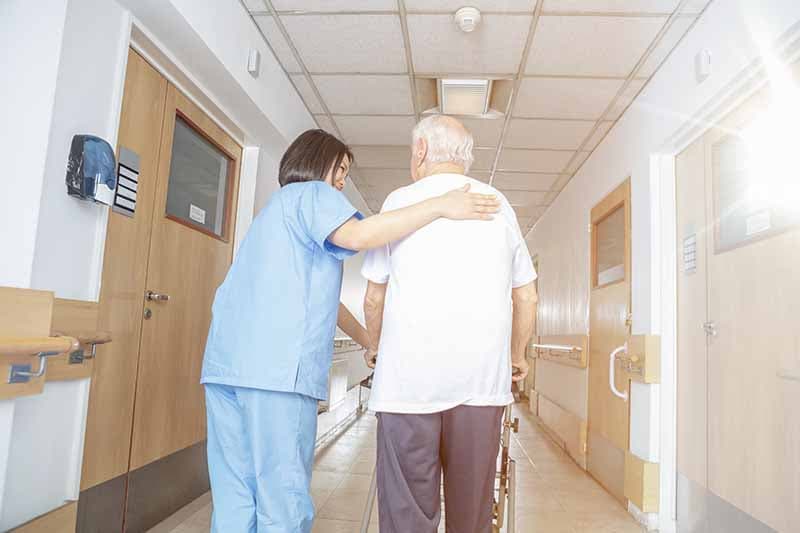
(570, 68)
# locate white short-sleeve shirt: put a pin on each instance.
(446, 336)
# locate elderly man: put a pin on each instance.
(449, 312)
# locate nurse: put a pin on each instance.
(270, 344)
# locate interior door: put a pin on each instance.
(609, 328)
(746, 406)
(191, 248)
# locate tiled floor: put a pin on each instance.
(553, 494)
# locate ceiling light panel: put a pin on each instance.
(548, 161)
(367, 130)
(335, 5)
(389, 95)
(552, 134)
(568, 98)
(485, 5)
(622, 103)
(670, 39)
(438, 46)
(590, 46)
(464, 96)
(348, 43)
(485, 131)
(307, 93)
(524, 181)
(279, 45)
(611, 6)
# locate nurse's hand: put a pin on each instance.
(460, 204)
(370, 358)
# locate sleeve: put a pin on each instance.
(376, 266)
(322, 210)
(522, 271)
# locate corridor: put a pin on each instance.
(555, 495)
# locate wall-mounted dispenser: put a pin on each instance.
(91, 169)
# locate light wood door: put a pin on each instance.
(191, 249)
(609, 328)
(739, 381)
(110, 416)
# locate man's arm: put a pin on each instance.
(373, 311)
(524, 299)
(348, 323)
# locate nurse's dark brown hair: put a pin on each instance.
(311, 156)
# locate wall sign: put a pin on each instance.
(128, 182)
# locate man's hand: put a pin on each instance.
(519, 370)
(370, 357)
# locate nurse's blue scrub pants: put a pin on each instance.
(260, 454)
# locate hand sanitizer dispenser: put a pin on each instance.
(91, 169)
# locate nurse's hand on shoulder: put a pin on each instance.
(460, 204)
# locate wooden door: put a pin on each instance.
(738, 338)
(609, 328)
(191, 248)
(110, 416)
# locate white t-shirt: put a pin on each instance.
(446, 337)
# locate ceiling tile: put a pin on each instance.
(487, 5)
(480, 175)
(530, 211)
(591, 46)
(334, 5)
(695, 6)
(621, 104)
(347, 43)
(325, 123)
(524, 181)
(575, 165)
(255, 5)
(534, 160)
(485, 131)
(495, 47)
(390, 95)
(484, 158)
(670, 39)
(565, 97)
(304, 88)
(368, 130)
(598, 135)
(383, 156)
(524, 198)
(386, 180)
(553, 134)
(611, 6)
(278, 43)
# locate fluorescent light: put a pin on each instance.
(464, 96)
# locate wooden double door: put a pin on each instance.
(169, 245)
(738, 193)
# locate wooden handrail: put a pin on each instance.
(87, 337)
(21, 346)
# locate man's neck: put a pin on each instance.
(443, 168)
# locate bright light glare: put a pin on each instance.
(773, 142)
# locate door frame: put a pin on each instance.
(664, 239)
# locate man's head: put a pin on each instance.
(440, 144)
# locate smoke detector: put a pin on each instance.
(468, 18)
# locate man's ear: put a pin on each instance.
(421, 150)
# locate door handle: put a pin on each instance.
(156, 297)
(612, 372)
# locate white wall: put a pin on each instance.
(30, 45)
(736, 32)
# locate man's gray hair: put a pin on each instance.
(447, 139)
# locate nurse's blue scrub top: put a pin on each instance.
(274, 316)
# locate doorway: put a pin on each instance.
(609, 329)
(738, 344)
(169, 246)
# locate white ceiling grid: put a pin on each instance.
(576, 65)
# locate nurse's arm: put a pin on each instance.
(390, 226)
(348, 323)
(373, 312)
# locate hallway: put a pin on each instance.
(553, 494)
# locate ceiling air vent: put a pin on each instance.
(464, 97)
